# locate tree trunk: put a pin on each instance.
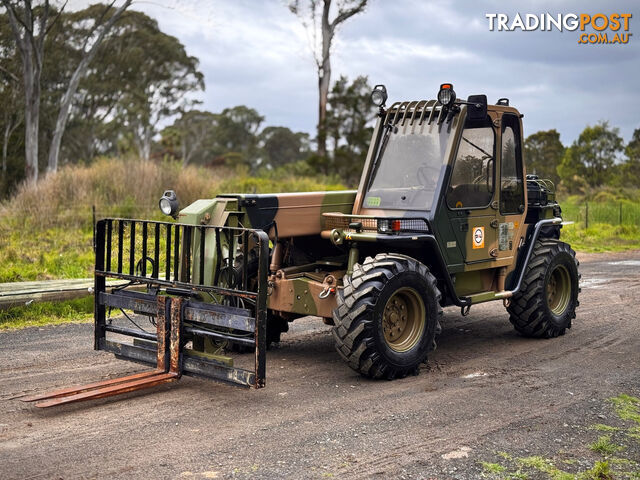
(31, 117)
(143, 143)
(185, 155)
(67, 99)
(324, 78)
(5, 146)
(323, 60)
(31, 47)
(10, 126)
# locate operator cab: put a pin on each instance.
(454, 162)
(413, 144)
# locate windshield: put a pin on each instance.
(406, 173)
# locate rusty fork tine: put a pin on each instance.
(90, 386)
(108, 391)
(168, 364)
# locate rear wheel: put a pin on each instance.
(547, 301)
(387, 316)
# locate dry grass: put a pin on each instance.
(46, 229)
(114, 186)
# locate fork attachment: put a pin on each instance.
(168, 366)
(190, 292)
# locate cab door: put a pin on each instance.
(471, 194)
(511, 189)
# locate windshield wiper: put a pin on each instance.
(376, 161)
(476, 146)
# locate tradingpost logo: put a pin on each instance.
(593, 29)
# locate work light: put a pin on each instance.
(169, 203)
(446, 95)
(383, 225)
(379, 95)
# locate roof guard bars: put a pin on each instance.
(406, 115)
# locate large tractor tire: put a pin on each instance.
(387, 316)
(547, 301)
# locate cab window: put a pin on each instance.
(511, 182)
(472, 179)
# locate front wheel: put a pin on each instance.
(547, 301)
(387, 316)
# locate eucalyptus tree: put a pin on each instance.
(30, 24)
(315, 16)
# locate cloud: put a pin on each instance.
(257, 54)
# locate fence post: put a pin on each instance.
(620, 213)
(586, 215)
(93, 225)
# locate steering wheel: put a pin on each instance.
(485, 178)
(423, 178)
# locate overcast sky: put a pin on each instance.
(256, 53)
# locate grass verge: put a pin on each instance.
(50, 254)
(46, 229)
(47, 313)
(601, 237)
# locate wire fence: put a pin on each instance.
(612, 213)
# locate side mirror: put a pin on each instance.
(478, 108)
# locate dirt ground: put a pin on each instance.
(484, 390)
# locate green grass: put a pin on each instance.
(545, 465)
(492, 467)
(611, 464)
(536, 465)
(49, 254)
(605, 446)
(600, 471)
(623, 212)
(604, 428)
(46, 232)
(601, 237)
(612, 225)
(47, 313)
(627, 407)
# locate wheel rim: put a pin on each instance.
(403, 319)
(559, 290)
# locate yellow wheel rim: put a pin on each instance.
(559, 290)
(403, 319)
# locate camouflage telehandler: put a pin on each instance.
(444, 215)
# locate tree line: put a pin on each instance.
(597, 158)
(76, 85)
(99, 81)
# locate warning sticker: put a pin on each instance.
(478, 237)
(503, 236)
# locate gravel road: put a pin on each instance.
(484, 390)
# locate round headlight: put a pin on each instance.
(169, 203)
(165, 206)
(379, 95)
(446, 95)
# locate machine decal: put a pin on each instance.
(503, 236)
(478, 237)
